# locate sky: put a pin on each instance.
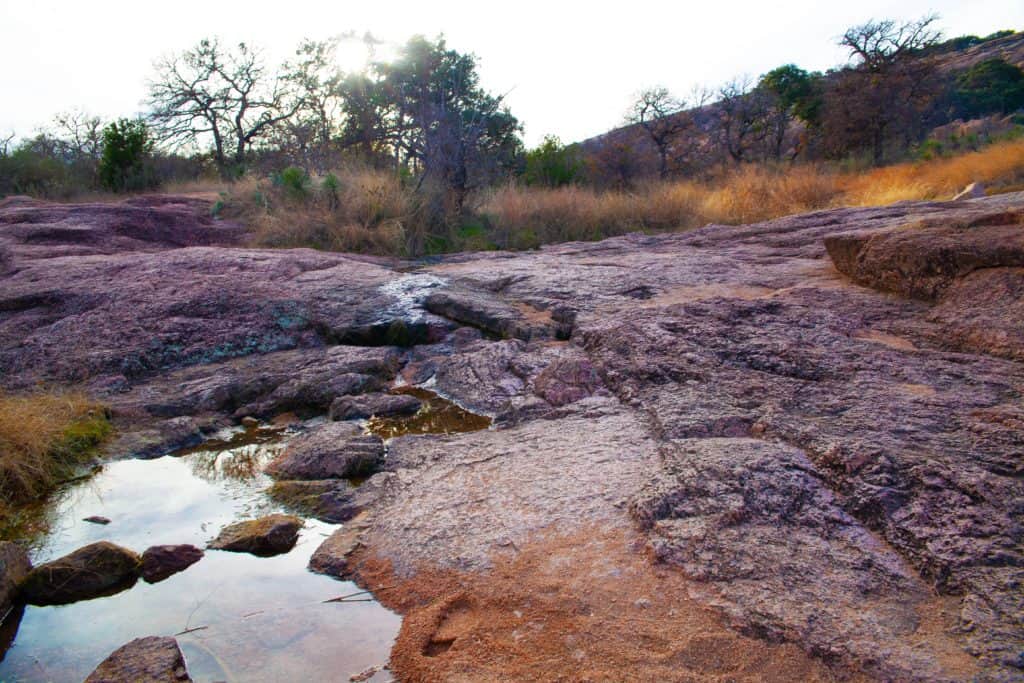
(568, 68)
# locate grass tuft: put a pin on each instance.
(44, 438)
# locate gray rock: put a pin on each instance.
(270, 535)
(152, 659)
(95, 570)
(757, 522)
(162, 561)
(368, 405)
(492, 315)
(333, 556)
(334, 450)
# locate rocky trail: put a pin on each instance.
(784, 451)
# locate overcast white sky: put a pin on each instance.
(570, 67)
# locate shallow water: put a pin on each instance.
(264, 618)
(437, 415)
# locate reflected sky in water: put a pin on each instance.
(264, 617)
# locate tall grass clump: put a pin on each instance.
(352, 209)
(44, 437)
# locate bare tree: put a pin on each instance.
(316, 89)
(227, 97)
(81, 133)
(5, 145)
(663, 118)
(877, 45)
(888, 90)
(741, 126)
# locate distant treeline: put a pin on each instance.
(219, 110)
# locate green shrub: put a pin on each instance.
(125, 163)
(553, 164)
(989, 87)
(294, 181)
(330, 186)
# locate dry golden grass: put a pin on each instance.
(1000, 165)
(369, 211)
(525, 217)
(372, 211)
(43, 436)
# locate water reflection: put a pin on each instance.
(264, 617)
(437, 415)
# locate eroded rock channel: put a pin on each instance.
(783, 451)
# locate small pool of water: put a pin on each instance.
(264, 619)
(437, 415)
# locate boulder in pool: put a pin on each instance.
(336, 450)
(162, 561)
(153, 659)
(92, 571)
(271, 535)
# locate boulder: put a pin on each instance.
(271, 535)
(14, 567)
(95, 570)
(335, 450)
(161, 561)
(153, 659)
(368, 405)
(333, 556)
(922, 259)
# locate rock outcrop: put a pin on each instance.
(95, 570)
(812, 425)
(270, 535)
(153, 659)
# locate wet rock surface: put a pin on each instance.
(153, 659)
(160, 562)
(266, 536)
(368, 405)
(14, 567)
(816, 421)
(335, 450)
(92, 571)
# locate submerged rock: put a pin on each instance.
(271, 535)
(152, 659)
(162, 561)
(329, 500)
(335, 450)
(14, 567)
(95, 570)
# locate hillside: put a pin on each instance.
(642, 154)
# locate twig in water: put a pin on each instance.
(344, 598)
(191, 630)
